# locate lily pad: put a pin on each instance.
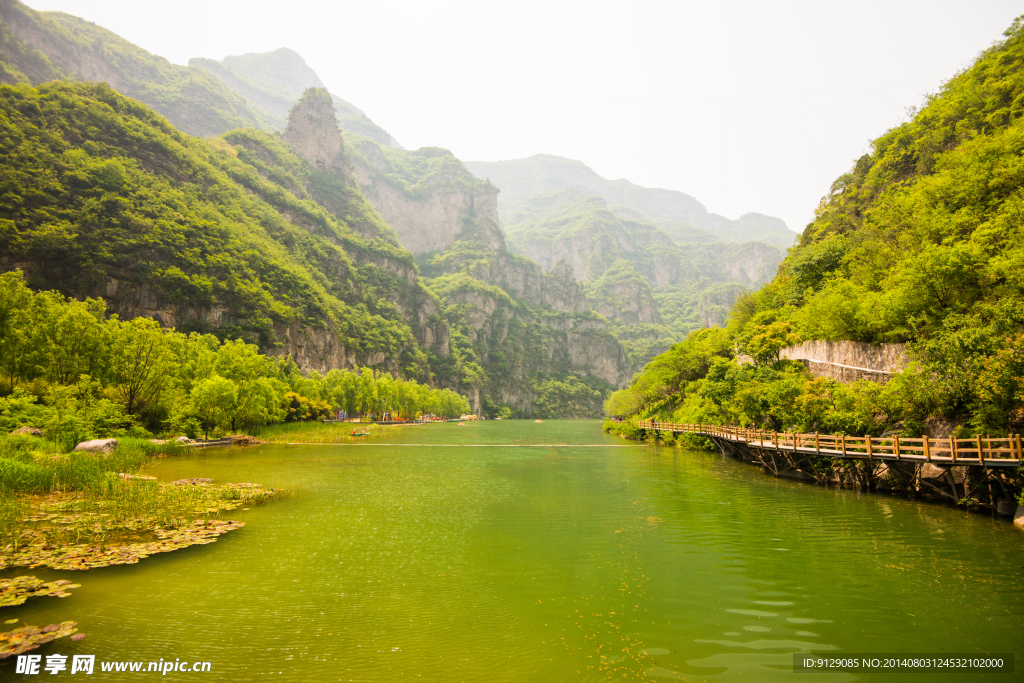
(19, 589)
(30, 637)
(90, 556)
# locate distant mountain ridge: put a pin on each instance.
(37, 47)
(274, 82)
(520, 179)
(205, 98)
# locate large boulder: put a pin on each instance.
(31, 431)
(100, 445)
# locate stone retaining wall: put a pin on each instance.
(847, 361)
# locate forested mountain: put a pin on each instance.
(36, 47)
(270, 237)
(315, 247)
(921, 242)
(526, 330)
(264, 237)
(103, 197)
(205, 98)
(678, 213)
(653, 288)
(654, 262)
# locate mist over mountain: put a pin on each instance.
(36, 47)
(274, 82)
(520, 179)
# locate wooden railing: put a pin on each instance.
(978, 450)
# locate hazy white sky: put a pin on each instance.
(747, 106)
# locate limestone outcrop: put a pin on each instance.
(427, 196)
(313, 133)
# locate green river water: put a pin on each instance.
(483, 553)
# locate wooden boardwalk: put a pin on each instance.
(976, 451)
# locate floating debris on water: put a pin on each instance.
(19, 589)
(30, 637)
(198, 481)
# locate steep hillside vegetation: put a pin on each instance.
(102, 197)
(269, 238)
(921, 242)
(36, 47)
(521, 179)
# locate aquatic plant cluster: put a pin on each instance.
(19, 589)
(84, 510)
(30, 637)
(73, 373)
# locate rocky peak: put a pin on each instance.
(562, 271)
(313, 132)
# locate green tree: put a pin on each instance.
(214, 401)
(139, 357)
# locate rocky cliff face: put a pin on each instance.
(716, 301)
(580, 230)
(449, 218)
(313, 133)
(521, 345)
(427, 196)
(749, 263)
(311, 348)
(622, 296)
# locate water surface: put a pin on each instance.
(486, 553)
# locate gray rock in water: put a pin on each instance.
(1006, 508)
(183, 440)
(101, 445)
(1018, 518)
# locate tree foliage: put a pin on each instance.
(78, 374)
(921, 242)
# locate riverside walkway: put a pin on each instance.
(984, 451)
